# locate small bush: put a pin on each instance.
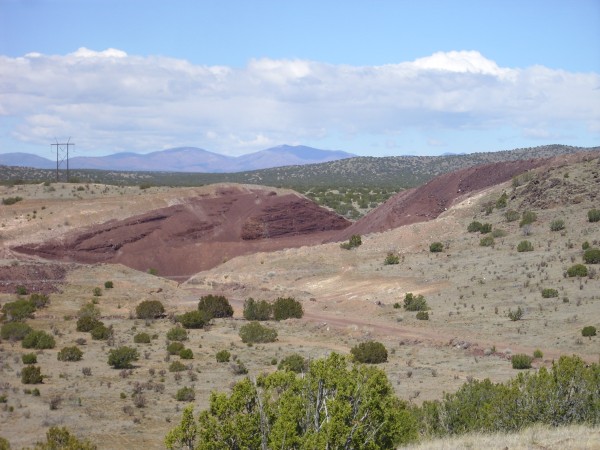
(502, 200)
(87, 323)
(186, 353)
(149, 309)
(97, 292)
(354, 242)
(537, 354)
(141, 338)
(174, 348)
(185, 394)
(527, 218)
(415, 303)
(511, 215)
(585, 245)
(31, 375)
(423, 315)
(474, 227)
(370, 352)
(216, 306)
(487, 241)
(391, 259)
(486, 228)
(18, 311)
(521, 361)
(588, 331)
(287, 308)
(29, 358)
(577, 270)
(122, 357)
(14, 331)
(21, 290)
(515, 315)
(436, 247)
(194, 319)
(70, 354)
(177, 334)
(39, 340)
(592, 256)
(223, 356)
(61, 438)
(89, 310)
(525, 246)
(39, 300)
(238, 368)
(254, 332)
(594, 215)
(498, 233)
(557, 225)
(257, 309)
(549, 293)
(176, 366)
(294, 363)
(101, 332)
(13, 200)
(108, 285)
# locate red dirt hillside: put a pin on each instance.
(181, 240)
(430, 200)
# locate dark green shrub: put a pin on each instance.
(486, 228)
(149, 309)
(594, 215)
(186, 353)
(194, 319)
(515, 315)
(176, 366)
(89, 310)
(588, 331)
(122, 357)
(11, 200)
(557, 225)
(21, 290)
(101, 332)
(216, 306)
(501, 202)
(17, 311)
(185, 394)
(585, 245)
(549, 293)
(175, 347)
(354, 242)
(14, 331)
(293, 363)
(177, 334)
(415, 303)
(436, 247)
(70, 354)
(108, 285)
(578, 270)
(97, 292)
(287, 308)
(257, 309)
(31, 375)
(423, 315)
(521, 361)
(487, 241)
(527, 218)
(391, 259)
(60, 438)
(4, 444)
(254, 332)
(511, 215)
(87, 323)
(498, 233)
(370, 352)
(223, 356)
(525, 246)
(474, 227)
(39, 300)
(537, 354)
(592, 256)
(39, 340)
(141, 338)
(29, 358)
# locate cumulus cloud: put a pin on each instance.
(109, 100)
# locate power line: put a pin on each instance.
(60, 154)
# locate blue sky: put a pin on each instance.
(370, 77)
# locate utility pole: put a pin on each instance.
(60, 156)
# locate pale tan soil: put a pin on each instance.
(348, 297)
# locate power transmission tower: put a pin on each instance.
(62, 155)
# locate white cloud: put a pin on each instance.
(110, 101)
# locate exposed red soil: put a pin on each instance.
(181, 240)
(430, 200)
(35, 277)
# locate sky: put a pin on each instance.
(371, 77)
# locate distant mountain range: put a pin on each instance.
(186, 159)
